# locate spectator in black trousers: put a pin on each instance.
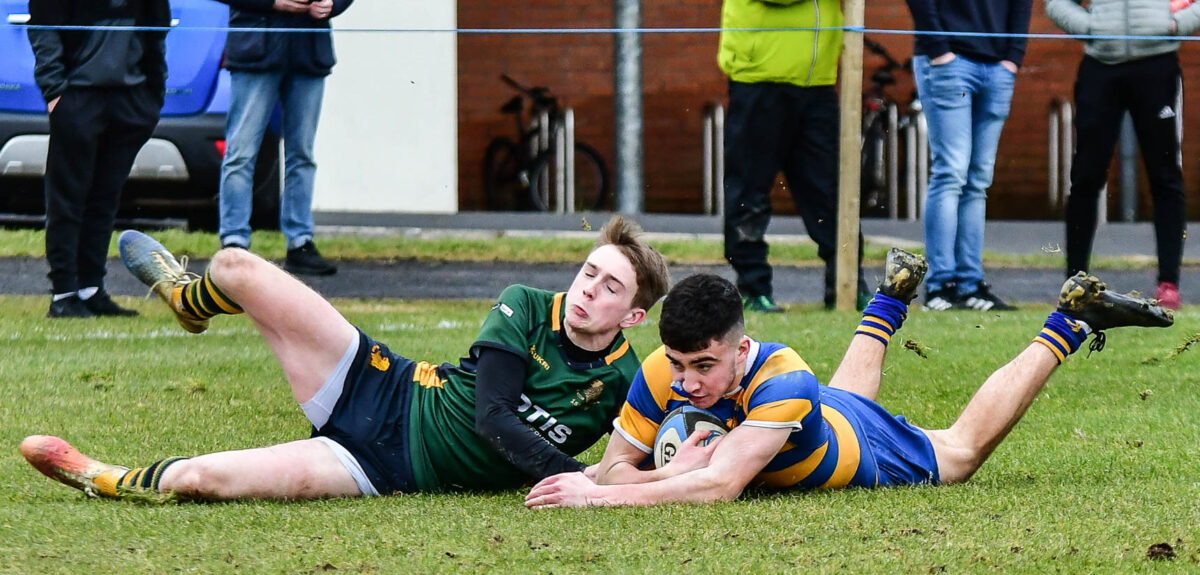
(1141, 76)
(104, 91)
(783, 115)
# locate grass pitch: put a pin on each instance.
(1102, 467)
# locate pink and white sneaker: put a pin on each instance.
(1167, 295)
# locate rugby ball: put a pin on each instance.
(678, 425)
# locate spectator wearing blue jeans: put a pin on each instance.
(266, 68)
(965, 84)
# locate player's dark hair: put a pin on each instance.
(649, 265)
(698, 310)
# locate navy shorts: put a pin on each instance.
(370, 418)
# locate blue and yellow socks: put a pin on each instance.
(1062, 335)
(882, 317)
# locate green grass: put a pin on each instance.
(483, 247)
(1102, 467)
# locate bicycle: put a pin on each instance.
(517, 174)
(879, 144)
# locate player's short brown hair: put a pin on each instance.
(653, 280)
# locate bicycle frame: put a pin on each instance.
(546, 144)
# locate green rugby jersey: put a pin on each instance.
(570, 405)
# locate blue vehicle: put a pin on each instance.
(176, 173)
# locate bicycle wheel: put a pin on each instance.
(873, 179)
(591, 181)
(502, 187)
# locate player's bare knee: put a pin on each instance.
(956, 461)
(230, 266)
(192, 479)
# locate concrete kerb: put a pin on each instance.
(1002, 237)
(652, 237)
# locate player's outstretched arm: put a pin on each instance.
(737, 459)
(500, 379)
(622, 459)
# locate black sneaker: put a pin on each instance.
(902, 275)
(1087, 299)
(942, 299)
(306, 260)
(983, 300)
(70, 306)
(761, 303)
(101, 304)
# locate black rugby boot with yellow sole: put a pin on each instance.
(902, 275)
(1085, 298)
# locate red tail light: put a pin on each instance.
(220, 145)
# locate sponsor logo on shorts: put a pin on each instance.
(504, 309)
(378, 361)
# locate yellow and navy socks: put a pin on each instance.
(882, 317)
(203, 299)
(1062, 335)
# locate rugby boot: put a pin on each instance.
(902, 275)
(154, 266)
(58, 460)
(1085, 298)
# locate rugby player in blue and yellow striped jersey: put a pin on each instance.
(788, 430)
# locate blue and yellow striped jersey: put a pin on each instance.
(827, 447)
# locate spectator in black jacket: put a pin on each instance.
(104, 91)
(268, 67)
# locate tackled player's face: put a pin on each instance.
(600, 299)
(707, 375)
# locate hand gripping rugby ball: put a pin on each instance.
(681, 423)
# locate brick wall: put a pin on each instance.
(680, 76)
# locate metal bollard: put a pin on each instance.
(568, 164)
(713, 153)
(893, 160)
(541, 144)
(916, 161)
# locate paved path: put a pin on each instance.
(459, 280)
(1002, 237)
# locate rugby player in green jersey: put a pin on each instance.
(542, 382)
(788, 431)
